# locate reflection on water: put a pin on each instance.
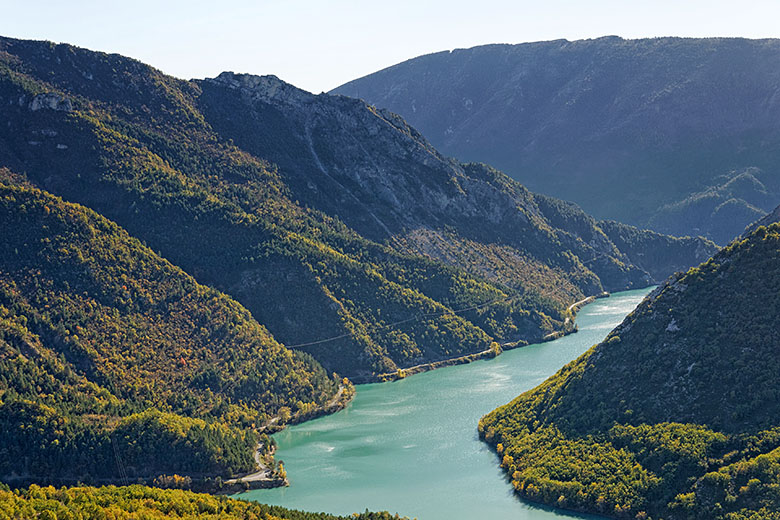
(411, 446)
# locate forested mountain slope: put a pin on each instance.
(113, 362)
(678, 133)
(724, 206)
(339, 227)
(384, 180)
(675, 414)
(658, 254)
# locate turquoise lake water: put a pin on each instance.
(411, 447)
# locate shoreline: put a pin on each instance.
(263, 479)
(202, 483)
(267, 477)
(403, 373)
(572, 310)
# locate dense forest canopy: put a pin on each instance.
(111, 356)
(146, 503)
(366, 236)
(675, 414)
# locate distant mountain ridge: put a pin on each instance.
(735, 198)
(631, 130)
(338, 226)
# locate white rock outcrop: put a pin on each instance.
(51, 101)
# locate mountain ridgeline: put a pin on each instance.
(338, 226)
(675, 414)
(678, 134)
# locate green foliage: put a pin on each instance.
(184, 167)
(113, 362)
(139, 502)
(675, 413)
(143, 154)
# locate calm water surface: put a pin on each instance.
(411, 447)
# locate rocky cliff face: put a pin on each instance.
(380, 176)
(349, 153)
(628, 129)
(338, 226)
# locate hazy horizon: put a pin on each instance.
(318, 46)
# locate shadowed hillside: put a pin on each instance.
(680, 134)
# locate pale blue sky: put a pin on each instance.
(318, 45)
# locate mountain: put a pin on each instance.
(721, 210)
(338, 226)
(384, 180)
(658, 254)
(113, 362)
(679, 134)
(675, 414)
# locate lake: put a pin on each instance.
(411, 447)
